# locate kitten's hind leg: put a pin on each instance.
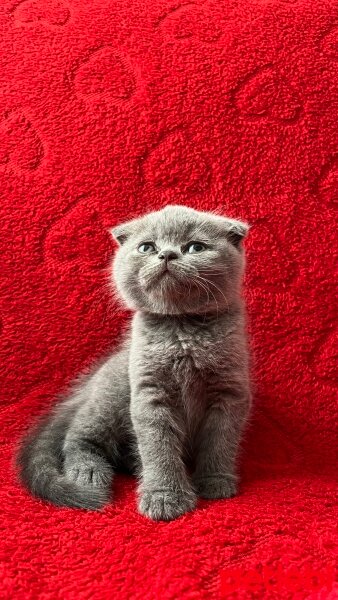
(93, 439)
(91, 445)
(86, 464)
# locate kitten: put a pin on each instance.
(171, 404)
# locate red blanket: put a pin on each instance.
(109, 108)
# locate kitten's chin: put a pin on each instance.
(175, 306)
(167, 292)
(162, 280)
(183, 303)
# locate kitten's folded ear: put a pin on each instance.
(122, 232)
(236, 231)
(119, 234)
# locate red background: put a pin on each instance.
(111, 108)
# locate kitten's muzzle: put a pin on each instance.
(167, 255)
(162, 271)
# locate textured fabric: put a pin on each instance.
(109, 108)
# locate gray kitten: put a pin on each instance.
(171, 404)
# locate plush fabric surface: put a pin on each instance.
(109, 108)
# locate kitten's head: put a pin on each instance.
(179, 261)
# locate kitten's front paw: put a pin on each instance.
(166, 505)
(213, 486)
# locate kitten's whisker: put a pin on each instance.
(210, 282)
(206, 289)
(219, 290)
(199, 286)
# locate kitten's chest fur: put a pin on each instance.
(184, 354)
(188, 369)
(190, 343)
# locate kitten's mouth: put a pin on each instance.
(165, 271)
(164, 274)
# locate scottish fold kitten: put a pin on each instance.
(172, 402)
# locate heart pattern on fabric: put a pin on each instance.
(36, 11)
(325, 358)
(188, 21)
(20, 144)
(263, 242)
(263, 94)
(105, 73)
(327, 185)
(329, 43)
(177, 163)
(78, 235)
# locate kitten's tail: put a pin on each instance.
(40, 467)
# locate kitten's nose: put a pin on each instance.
(167, 255)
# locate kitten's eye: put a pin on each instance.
(195, 248)
(146, 248)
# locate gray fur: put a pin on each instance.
(172, 403)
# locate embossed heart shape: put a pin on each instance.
(34, 11)
(177, 163)
(329, 43)
(105, 73)
(20, 143)
(325, 359)
(78, 235)
(265, 94)
(263, 242)
(188, 21)
(328, 183)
